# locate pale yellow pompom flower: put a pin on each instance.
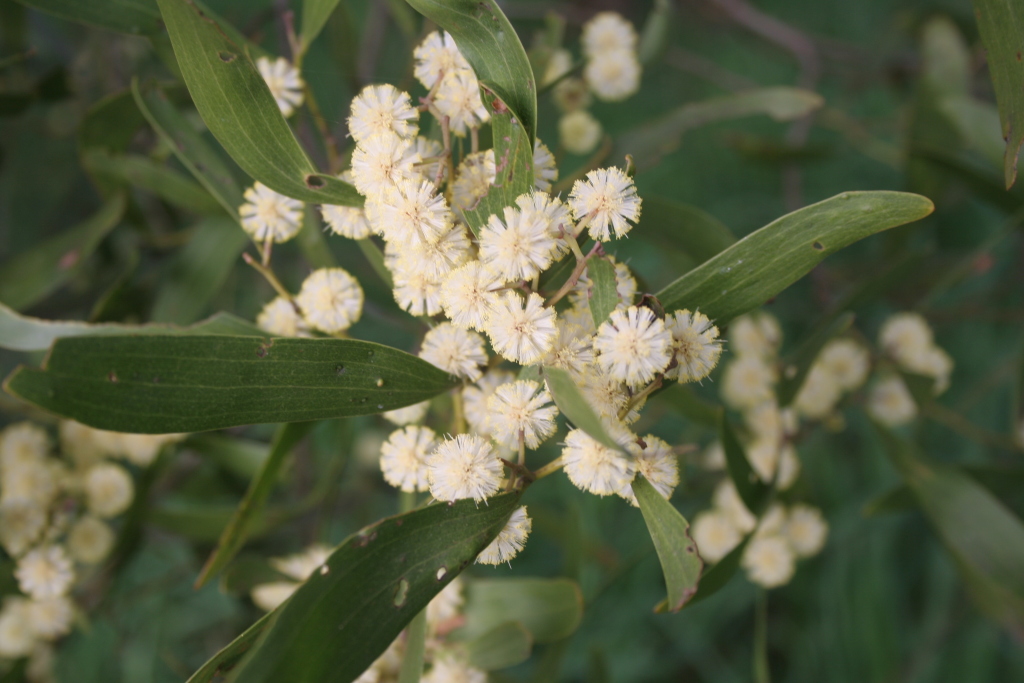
(301, 566)
(434, 260)
(270, 215)
(30, 482)
(847, 361)
(607, 32)
(657, 463)
(403, 457)
(346, 221)
(523, 410)
(607, 395)
(456, 351)
(413, 212)
(517, 246)
(554, 214)
(270, 596)
(633, 345)
(605, 202)
(755, 334)
(573, 349)
(23, 442)
(382, 109)
(473, 179)
(579, 132)
(545, 170)
(466, 294)
(521, 330)
(45, 572)
(728, 500)
(571, 94)
(331, 300)
(284, 82)
(280, 319)
(142, 449)
(436, 56)
(905, 336)
(509, 541)
(379, 162)
(458, 98)
(769, 561)
(890, 402)
(417, 293)
(805, 530)
(109, 489)
(16, 637)
(90, 540)
(747, 382)
(22, 522)
(407, 415)
(464, 467)
(819, 394)
(475, 396)
(715, 535)
(50, 618)
(594, 467)
(613, 76)
(695, 345)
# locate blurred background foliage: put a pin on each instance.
(908, 105)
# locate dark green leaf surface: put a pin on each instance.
(513, 159)
(344, 616)
(110, 123)
(603, 296)
(32, 275)
(22, 333)
(146, 174)
(229, 656)
(415, 647)
(124, 16)
(490, 44)
(315, 14)
(574, 406)
(550, 609)
(198, 270)
(505, 645)
(243, 457)
(654, 139)
(162, 384)
(693, 230)
(670, 532)
(239, 110)
(237, 531)
(984, 537)
(1001, 23)
(767, 261)
(189, 147)
(754, 493)
(796, 367)
(719, 575)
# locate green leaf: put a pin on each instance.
(230, 655)
(239, 110)
(415, 647)
(898, 499)
(513, 159)
(375, 256)
(237, 531)
(693, 230)
(984, 538)
(205, 522)
(550, 609)
(313, 242)
(767, 261)
(921, 387)
(754, 493)
(315, 14)
(798, 365)
(22, 333)
(1001, 24)
(163, 384)
(657, 30)
(243, 457)
(574, 406)
(337, 623)
(650, 141)
(110, 124)
(123, 16)
(490, 44)
(604, 296)
(189, 147)
(978, 124)
(146, 174)
(32, 275)
(677, 552)
(716, 578)
(197, 271)
(503, 646)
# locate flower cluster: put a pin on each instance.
(611, 72)
(56, 511)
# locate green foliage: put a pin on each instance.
(676, 550)
(604, 297)
(125, 16)
(160, 384)
(574, 406)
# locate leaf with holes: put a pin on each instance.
(765, 262)
(240, 111)
(161, 384)
(352, 609)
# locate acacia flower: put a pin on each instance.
(382, 109)
(890, 402)
(473, 179)
(715, 535)
(413, 212)
(45, 572)
(108, 489)
(403, 457)
(346, 221)
(633, 345)
(613, 76)
(805, 530)
(573, 349)
(695, 345)
(435, 56)
(90, 540)
(466, 294)
(524, 409)
(657, 463)
(475, 396)
(280, 319)
(556, 216)
(606, 201)
(270, 215)
(579, 132)
(769, 561)
(463, 467)
(594, 467)
(331, 299)
(417, 293)
(545, 170)
(458, 98)
(284, 82)
(459, 352)
(518, 247)
(510, 540)
(521, 330)
(379, 162)
(607, 32)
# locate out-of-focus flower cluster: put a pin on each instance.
(57, 507)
